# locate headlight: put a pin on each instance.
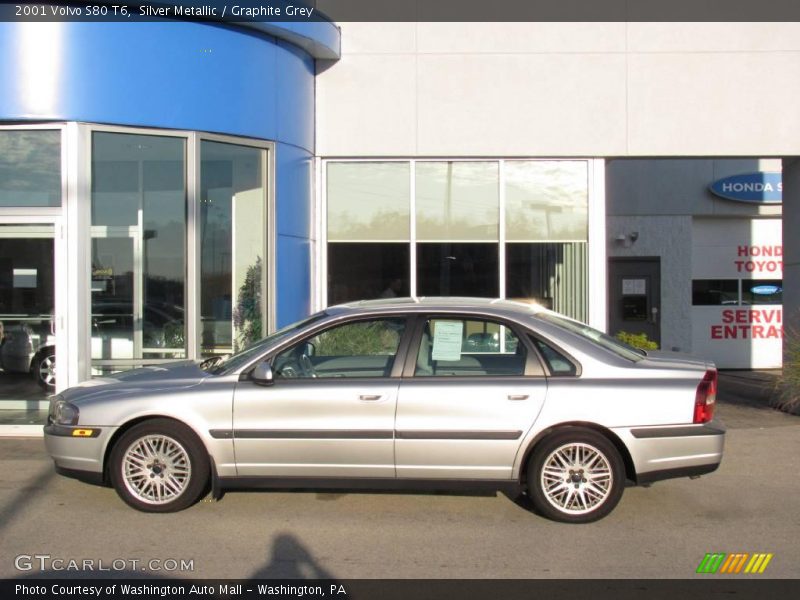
(63, 413)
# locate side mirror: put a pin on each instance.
(262, 374)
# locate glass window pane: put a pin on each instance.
(368, 201)
(546, 200)
(715, 292)
(469, 348)
(233, 201)
(556, 362)
(762, 291)
(365, 271)
(27, 332)
(139, 246)
(553, 275)
(457, 201)
(30, 168)
(457, 270)
(361, 349)
(113, 312)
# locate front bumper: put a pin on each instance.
(77, 453)
(665, 452)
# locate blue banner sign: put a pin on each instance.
(760, 188)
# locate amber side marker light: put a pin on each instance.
(82, 432)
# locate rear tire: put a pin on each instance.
(575, 476)
(159, 466)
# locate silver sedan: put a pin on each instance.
(406, 394)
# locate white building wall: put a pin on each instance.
(561, 89)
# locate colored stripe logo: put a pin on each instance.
(735, 563)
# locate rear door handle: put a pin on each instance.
(370, 397)
(518, 396)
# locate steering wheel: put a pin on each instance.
(306, 366)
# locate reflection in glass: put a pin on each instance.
(233, 200)
(553, 275)
(546, 200)
(457, 201)
(715, 292)
(30, 168)
(113, 316)
(457, 270)
(368, 201)
(366, 271)
(27, 334)
(139, 246)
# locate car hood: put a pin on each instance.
(175, 375)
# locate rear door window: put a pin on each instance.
(456, 347)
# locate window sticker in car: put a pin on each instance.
(447, 338)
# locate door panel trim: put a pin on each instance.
(458, 435)
(311, 434)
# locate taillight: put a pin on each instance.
(706, 397)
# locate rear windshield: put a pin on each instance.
(593, 335)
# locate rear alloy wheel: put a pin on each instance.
(44, 370)
(575, 476)
(159, 466)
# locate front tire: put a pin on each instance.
(575, 476)
(159, 466)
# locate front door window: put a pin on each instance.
(360, 349)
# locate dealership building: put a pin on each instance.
(176, 188)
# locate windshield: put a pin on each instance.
(216, 365)
(598, 337)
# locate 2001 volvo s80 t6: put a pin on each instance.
(406, 394)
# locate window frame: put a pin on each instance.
(534, 367)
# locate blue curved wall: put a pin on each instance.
(179, 75)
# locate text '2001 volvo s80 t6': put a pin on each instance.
(445, 393)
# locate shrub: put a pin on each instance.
(787, 396)
(637, 340)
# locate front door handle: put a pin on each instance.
(370, 397)
(518, 396)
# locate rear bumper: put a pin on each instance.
(665, 452)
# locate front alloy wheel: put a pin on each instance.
(576, 476)
(159, 466)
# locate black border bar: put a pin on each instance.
(705, 587)
(442, 10)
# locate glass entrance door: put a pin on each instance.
(27, 307)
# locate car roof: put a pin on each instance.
(494, 306)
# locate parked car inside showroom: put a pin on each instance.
(28, 346)
(31, 347)
(445, 393)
